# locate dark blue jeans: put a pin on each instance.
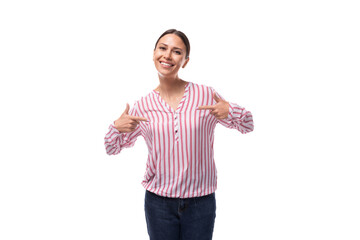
(180, 218)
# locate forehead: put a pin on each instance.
(172, 40)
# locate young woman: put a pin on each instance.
(177, 121)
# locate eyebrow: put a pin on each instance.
(174, 47)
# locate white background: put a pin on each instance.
(68, 68)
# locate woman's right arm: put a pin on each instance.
(123, 133)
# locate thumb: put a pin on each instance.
(216, 97)
(127, 109)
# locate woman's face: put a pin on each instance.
(169, 55)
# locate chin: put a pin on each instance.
(167, 75)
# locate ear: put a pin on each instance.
(186, 61)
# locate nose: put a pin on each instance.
(167, 54)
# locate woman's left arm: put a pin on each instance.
(230, 115)
(238, 118)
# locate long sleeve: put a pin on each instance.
(116, 141)
(238, 118)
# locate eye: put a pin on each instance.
(162, 48)
(178, 52)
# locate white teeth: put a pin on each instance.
(166, 64)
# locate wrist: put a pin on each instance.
(115, 126)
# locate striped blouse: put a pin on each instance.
(180, 143)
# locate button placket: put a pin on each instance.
(176, 126)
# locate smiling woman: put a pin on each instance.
(177, 120)
(171, 53)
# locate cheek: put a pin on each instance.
(155, 55)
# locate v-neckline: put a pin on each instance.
(180, 103)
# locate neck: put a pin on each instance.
(170, 85)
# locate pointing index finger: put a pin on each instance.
(138, 118)
(205, 108)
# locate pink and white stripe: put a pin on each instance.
(180, 143)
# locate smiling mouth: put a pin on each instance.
(166, 64)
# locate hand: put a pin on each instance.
(126, 123)
(220, 110)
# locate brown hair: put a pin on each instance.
(179, 34)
